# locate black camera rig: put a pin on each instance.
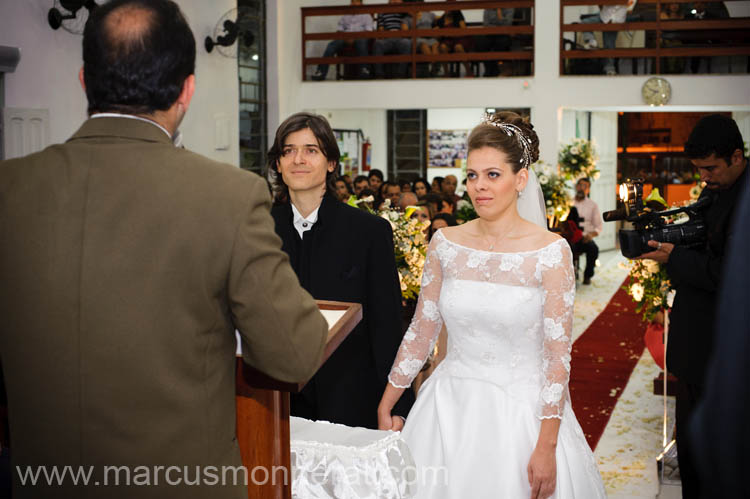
(650, 224)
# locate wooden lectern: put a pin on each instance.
(263, 414)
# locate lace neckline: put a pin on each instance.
(440, 233)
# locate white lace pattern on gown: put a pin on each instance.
(493, 317)
(509, 320)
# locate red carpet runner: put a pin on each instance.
(603, 358)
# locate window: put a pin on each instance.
(251, 69)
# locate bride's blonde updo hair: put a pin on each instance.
(508, 132)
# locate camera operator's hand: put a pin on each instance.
(661, 254)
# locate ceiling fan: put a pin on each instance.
(70, 15)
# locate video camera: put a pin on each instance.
(649, 224)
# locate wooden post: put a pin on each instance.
(263, 415)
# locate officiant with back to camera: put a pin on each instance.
(132, 263)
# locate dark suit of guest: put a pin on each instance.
(719, 430)
(348, 256)
(126, 265)
(696, 275)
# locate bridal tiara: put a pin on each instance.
(510, 130)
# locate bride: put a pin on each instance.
(494, 419)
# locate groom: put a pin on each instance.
(126, 265)
(339, 253)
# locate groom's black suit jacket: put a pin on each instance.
(348, 256)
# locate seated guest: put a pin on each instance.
(427, 46)
(407, 199)
(495, 43)
(423, 214)
(607, 14)
(365, 194)
(570, 228)
(351, 23)
(447, 205)
(375, 178)
(342, 190)
(438, 203)
(451, 44)
(405, 185)
(705, 10)
(671, 11)
(449, 189)
(392, 21)
(420, 187)
(360, 182)
(339, 253)
(441, 220)
(391, 191)
(437, 184)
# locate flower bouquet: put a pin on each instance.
(578, 159)
(465, 211)
(649, 286)
(409, 244)
(555, 191)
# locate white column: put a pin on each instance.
(604, 132)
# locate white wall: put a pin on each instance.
(216, 86)
(47, 75)
(454, 118)
(546, 93)
(372, 122)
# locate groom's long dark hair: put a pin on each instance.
(319, 126)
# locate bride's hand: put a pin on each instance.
(388, 422)
(542, 470)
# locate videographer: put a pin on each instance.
(716, 148)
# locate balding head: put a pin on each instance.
(137, 55)
(126, 27)
(407, 199)
(450, 182)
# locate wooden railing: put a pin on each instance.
(721, 37)
(412, 33)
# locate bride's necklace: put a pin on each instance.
(491, 242)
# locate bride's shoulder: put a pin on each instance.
(457, 233)
(540, 236)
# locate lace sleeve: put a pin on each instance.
(424, 329)
(558, 281)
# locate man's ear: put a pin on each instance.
(186, 95)
(82, 80)
(737, 156)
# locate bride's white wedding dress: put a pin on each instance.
(477, 418)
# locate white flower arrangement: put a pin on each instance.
(578, 159)
(649, 286)
(410, 248)
(636, 291)
(555, 190)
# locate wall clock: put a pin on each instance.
(656, 91)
